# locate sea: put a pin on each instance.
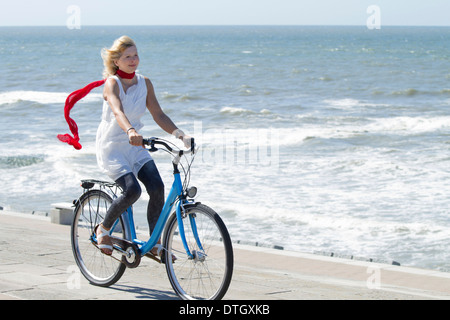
(318, 139)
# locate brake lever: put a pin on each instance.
(150, 142)
(192, 146)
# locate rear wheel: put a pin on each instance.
(98, 268)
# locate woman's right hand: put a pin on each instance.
(135, 138)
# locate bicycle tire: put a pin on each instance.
(98, 268)
(208, 275)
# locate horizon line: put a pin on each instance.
(226, 25)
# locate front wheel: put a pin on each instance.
(207, 273)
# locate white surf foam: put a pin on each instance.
(42, 97)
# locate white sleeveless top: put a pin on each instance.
(115, 155)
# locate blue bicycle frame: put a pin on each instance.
(174, 197)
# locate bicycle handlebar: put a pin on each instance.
(152, 141)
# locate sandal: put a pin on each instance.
(158, 257)
(102, 247)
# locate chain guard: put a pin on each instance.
(130, 251)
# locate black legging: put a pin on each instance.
(152, 181)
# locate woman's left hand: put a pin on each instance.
(179, 134)
(187, 141)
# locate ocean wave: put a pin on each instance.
(236, 111)
(401, 126)
(242, 111)
(350, 103)
(19, 161)
(42, 97)
(409, 125)
(347, 103)
(412, 92)
(407, 92)
(320, 133)
(176, 97)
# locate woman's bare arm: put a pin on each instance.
(111, 94)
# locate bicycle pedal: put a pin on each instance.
(153, 257)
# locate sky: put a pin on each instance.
(222, 12)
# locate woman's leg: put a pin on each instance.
(150, 177)
(131, 193)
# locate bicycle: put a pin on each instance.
(197, 249)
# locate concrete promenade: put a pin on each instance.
(36, 263)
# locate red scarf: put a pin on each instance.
(73, 98)
(125, 75)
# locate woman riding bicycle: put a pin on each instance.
(120, 152)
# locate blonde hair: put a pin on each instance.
(114, 53)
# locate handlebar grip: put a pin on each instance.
(148, 141)
(152, 141)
